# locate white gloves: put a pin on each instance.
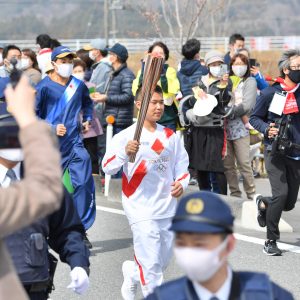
(80, 280)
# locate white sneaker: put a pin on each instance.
(129, 286)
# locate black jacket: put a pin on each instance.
(120, 98)
(261, 117)
(62, 231)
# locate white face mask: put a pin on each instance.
(215, 71)
(65, 70)
(79, 76)
(200, 264)
(91, 55)
(12, 154)
(239, 71)
(25, 63)
(1, 58)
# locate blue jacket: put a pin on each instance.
(261, 117)
(62, 231)
(120, 99)
(189, 75)
(245, 286)
(260, 81)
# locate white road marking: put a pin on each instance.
(111, 210)
(254, 240)
(240, 237)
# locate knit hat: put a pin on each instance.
(213, 56)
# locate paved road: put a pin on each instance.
(111, 238)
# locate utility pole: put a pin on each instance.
(106, 29)
(114, 5)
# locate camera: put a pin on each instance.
(9, 129)
(282, 144)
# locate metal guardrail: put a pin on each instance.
(207, 43)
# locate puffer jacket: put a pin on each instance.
(189, 75)
(120, 100)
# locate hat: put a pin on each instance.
(60, 52)
(49, 67)
(213, 56)
(204, 106)
(202, 212)
(120, 51)
(95, 44)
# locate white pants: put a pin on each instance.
(152, 242)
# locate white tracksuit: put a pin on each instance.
(146, 195)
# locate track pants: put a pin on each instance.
(152, 242)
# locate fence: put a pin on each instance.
(207, 43)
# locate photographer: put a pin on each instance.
(39, 193)
(283, 168)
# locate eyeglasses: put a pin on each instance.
(295, 68)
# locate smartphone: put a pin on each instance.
(253, 62)
(223, 69)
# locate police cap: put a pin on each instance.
(202, 212)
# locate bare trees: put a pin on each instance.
(180, 20)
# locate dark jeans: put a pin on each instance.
(90, 144)
(284, 177)
(38, 296)
(204, 181)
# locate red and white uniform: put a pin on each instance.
(43, 58)
(146, 195)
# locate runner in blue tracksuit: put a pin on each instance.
(60, 98)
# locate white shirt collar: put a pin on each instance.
(4, 180)
(222, 294)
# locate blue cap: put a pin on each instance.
(120, 51)
(202, 212)
(60, 52)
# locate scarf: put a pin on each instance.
(290, 105)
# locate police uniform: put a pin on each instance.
(205, 212)
(63, 232)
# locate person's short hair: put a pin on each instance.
(245, 60)
(44, 40)
(191, 48)
(161, 45)
(78, 62)
(157, 90)
(84, 55)
(31, 54)
(7, 48)
(235, 37)
(103, 52)
(284, 61)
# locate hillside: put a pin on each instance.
(24, 19)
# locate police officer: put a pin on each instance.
(62, 231)
(282, 162)
(203, 226)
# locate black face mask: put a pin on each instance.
(294, 75)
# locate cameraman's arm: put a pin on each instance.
(259, 116)
(41, 190)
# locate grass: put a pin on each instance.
(267, 59)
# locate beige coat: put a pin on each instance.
(39, 194)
